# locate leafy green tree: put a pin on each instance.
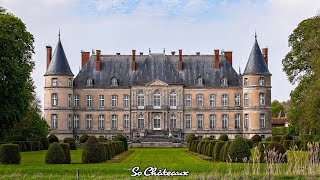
(16, 87)
(302, 66)
(276, 107)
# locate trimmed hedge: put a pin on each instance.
(250, 143)
(71, 142)
(66, 151)
(316, 138)
(10, 154)
(84, 138)
(279, 130)
(190, 138)
(22, 145)
(296, 144)
(120, 137)
(44, 143)
(223, 137)
(195, 145)
(93, 151)
(199, 147)
(238, 150)
(28, 145)
(216, 150)
(36, 145)
(278, 149)
(55, 154)
(224, 152)
(261, 147)
(53, 138)
(286, 144)
(210, 148)
(268, 138)
(204, 148)
(256, 138)
(286, 137)
(305, 137)
(107, 150)
(276, 138)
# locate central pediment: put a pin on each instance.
(157, 82)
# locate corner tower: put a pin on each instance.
(58, 92)
(256, 82)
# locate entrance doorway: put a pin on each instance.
(156, 122)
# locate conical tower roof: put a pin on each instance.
(59, 64)
(256, 64)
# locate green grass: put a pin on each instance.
(173, 159)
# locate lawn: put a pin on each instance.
(173, 159)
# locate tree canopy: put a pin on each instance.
(16, 86)
(302, 66)
(276, 107)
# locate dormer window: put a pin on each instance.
(224, 81)
(54, 82)
(261, 81)
(200, 81)
(89, 82)
(245, 82)
(114, 82)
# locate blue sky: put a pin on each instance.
(192, 25)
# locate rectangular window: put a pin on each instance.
(114, 121)
(54, 121)
(69, 82)
(54, 82)
(54, 99)
(126, 121)
(76, 100)
(237, 121)
(114, 101)
(89, 121)
(212, 100)
(140, 122)
(262, 99)
(212, 121)
(246, 100)
(224, 100)
(237, 100)
(173, 121)
(200, 121)
(261, 81)
(69, 100)
(156, 99)
(245, 82)
(126, 101)
(262, 120)
(101, 121)
(140, 100)
(224, 121)
(89, 100)
(246, 121)
(188, 100)
(173, 99)
(76, 121)
(199, 100)
(101, 101)
(69, 121)
(188, 121)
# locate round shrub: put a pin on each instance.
(44, 143)
(190, 138)
(223, 137)
(72, 143)
(238, 150)
(10, 154)
(84, 138)
(55, 154)
(66, 151)
(120, 137)
(275, 152)
(250, 143)
(53, 138)
(216, 150)
(268, 138)
(256, 138)
(93, 151)
(224, 156)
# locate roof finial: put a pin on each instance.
(59, 33)
(255, 34)
(149, 51)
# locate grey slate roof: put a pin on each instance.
(256, 63)
(59, 64)
(152, 67)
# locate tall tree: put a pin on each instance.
(302, 66)
(276, 107)
(16, 87)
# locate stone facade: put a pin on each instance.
(239, 108)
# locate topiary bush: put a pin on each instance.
(238, 150)
(113, 149)
(107, 150)
(190, 138)
(286, 144)
(210, 148)
(256, 138)
(305, 137)
(250, 143)
(53, 138)
(204, 148)
(279, 131)
(84, 138)
(93, 151)
(195, 145)
(224, 156)
(120, 137)
(10, 154)
(199, 147)
(268, 138)
(275, 153)
(71, 142)
(55, 154)
(223, 137)
(216, 150)
(276, 138)
(44, 143)
(66, 151)
(261, 147)
(207, 138)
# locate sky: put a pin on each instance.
(191, 25)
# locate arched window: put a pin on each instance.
(156, 99)
(224, 81)
(173, 99)
(173, 121)
(140, 122)
(114, 82)
(89, 82)
(140, 100)
(200, 81)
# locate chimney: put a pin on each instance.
(265, 55)
(180, 60)
(49, 55)
(197, 53)
(173, 52)
(98, 65)
(117, 54)
(133, 64)
(84, 58)
(216, 59)
(141, 53)
(228, 55)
